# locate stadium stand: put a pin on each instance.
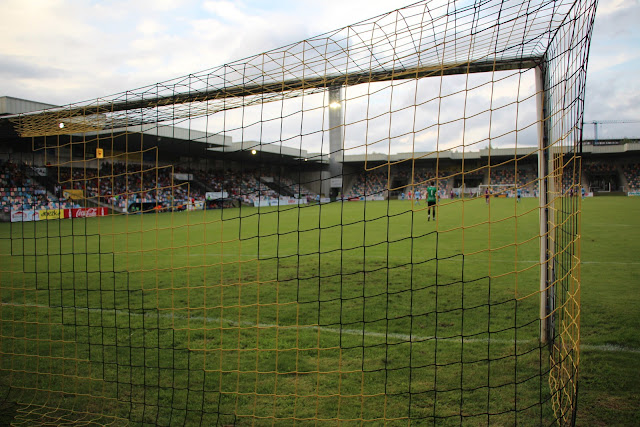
(289, 185)
(19, 190)
(368, 183)
(524, 177)
(632, 175)
(423, 175)
(602, 175)
(118, 185)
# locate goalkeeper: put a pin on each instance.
(432, 195)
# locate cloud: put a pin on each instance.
(148, 27)
(612, 90)
(228, 11)
(72, 51)
(12, 67)
(615, 7)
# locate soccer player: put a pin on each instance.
(418, 196)
(519, 191)
(486, 195)
(432, 194)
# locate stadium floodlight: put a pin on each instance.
(305, 293)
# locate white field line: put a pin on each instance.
(342, 331)
(456, 259)
(228, 322)
(610, 348)
(151, 255)
(612, 262)
(612, 225)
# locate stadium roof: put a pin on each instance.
(11, 105)
(173, 138)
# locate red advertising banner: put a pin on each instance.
(85, 212)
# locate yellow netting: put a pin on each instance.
(377, 225)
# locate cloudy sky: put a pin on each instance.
(64, 51)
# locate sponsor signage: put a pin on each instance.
(183, 176)
(20, 215)
(46, 214)
(368, 198)
(297, 201)
(51, 214)
(73, 194)
(607, 142)
(633, 193)
(278, 202)
(85, 212)
(215, 195)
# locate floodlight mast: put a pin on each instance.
(336, 140)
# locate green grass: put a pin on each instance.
(323, 312)
(609, 391)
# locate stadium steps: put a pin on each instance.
(280, 189)
(92, 202)
(48, 182)
(624, 183)
(199, 185)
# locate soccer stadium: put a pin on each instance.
(273, 242)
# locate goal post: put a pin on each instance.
(543, 156)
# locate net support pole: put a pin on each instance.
(542, 198)
(336, 140)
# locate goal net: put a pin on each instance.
(257, 244)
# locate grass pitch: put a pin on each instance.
(608, 388)
(355, 311)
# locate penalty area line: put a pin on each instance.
(342, 331)
(453, 259)
(608, 348)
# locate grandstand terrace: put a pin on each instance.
(179, 165)
(632, 176)
(117, 185)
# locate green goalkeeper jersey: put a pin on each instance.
(431, 194)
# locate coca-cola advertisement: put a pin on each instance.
(85, 212)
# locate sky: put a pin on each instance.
(66, 51)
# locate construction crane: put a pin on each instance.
(595, 124)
